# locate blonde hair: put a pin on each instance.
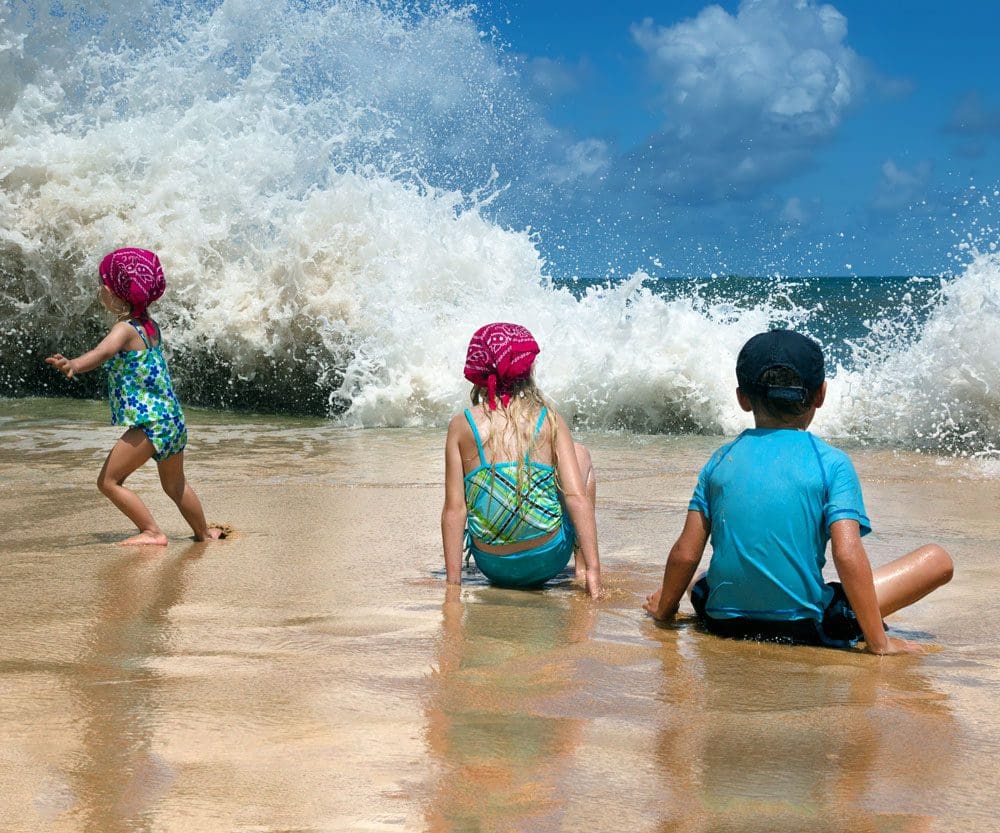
(526, 403)
(118, 307)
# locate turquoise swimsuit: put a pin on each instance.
(498, 514)
(141, 396)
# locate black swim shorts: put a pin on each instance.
(838, 628)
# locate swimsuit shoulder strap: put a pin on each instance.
(541, 420)
(475, 434)
(142, 333)
(538, 430)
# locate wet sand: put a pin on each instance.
(312, 674)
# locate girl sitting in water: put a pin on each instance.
(141, 396)
(513, 472)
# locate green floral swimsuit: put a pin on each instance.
(141, 395)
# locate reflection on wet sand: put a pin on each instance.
(771, 738)
(312, 675)
(502, 751)
(544, 715)
(119, 776)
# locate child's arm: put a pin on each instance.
(578, 504)
(685, 555)
(115, 341)
(855, 572)
(454, 513)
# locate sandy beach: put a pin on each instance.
(312, 674)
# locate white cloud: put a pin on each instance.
(794, 212)
(586, 158)
(746, 98)
(899, 187)
(553, 77)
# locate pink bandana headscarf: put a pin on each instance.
(499, 356)
(135, 276)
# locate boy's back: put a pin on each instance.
(770, 497)
(769, 501)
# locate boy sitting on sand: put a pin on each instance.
(770, 500)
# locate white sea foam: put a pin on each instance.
(284, 161)
(942, 390)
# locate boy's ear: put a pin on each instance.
(820, 396)
(744, 400)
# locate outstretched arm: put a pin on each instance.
(855, 572)
(115, 341)
(685, 555)
(578, 504)
(453, 514)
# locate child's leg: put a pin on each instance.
(587, 470)
(698, 576)
(905, 580)
(131, 451)
(180, 492)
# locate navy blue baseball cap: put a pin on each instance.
(781, 348)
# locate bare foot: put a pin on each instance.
(217, 532)
(579, 565)
(157, 539)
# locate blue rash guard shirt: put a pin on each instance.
(770, 496)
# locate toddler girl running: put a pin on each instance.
(513, 474)
(140, 394)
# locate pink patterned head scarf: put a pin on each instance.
(500, 355)
(136, 277)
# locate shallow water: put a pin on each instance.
(312, 674)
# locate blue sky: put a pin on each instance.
(769, 135)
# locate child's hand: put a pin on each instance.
(62, 364)
(894, 646)
(594, 582)
(652, 607)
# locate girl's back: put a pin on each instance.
(514, 494)
(507, 435)
(511, 502)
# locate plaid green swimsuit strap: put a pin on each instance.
(497, 512)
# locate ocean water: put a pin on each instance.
(329, 186)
